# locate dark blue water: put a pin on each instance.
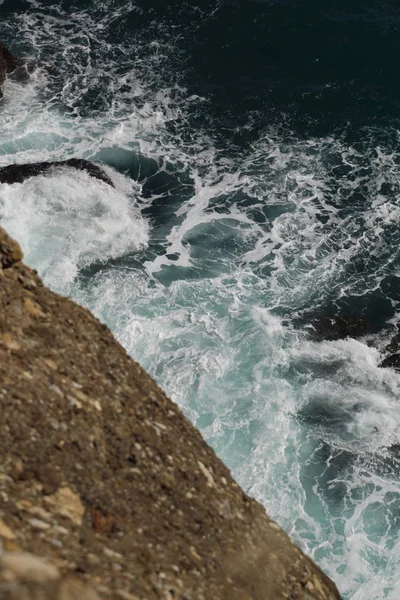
(255, 151)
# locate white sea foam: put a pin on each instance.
(67, 220)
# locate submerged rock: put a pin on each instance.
(107, 490)
(18, 173)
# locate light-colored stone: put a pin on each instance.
(93, 559)
(123, 595)
(6, 532)
(73, 589)
(28, 567)
(10, 342)
(112, 554)
(194, 554)
(38, 512)
(51, 364)
(38, 524)
(33, 308)
(66, 503)
(207, 474)
(59, 530)
(24, 505)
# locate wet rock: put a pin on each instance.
(24, 71)
(8, 63)
(12, 62)
(392, 362)
(394, 345)
(18, 173)
(338, 327)
(3, 72)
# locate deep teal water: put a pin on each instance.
(255, 151)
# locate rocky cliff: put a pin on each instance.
(106, 490)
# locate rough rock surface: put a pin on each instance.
(106, 490)
(391, 362)
(331, 327)
(3, 72)
(8, 63)
(18, 173)
(11, 61)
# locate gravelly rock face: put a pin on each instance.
(106, 490)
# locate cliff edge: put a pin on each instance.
(106, 489)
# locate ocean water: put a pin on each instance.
(255, 151)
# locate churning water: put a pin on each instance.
(255, 152)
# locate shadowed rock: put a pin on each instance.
(8, 64)
(25, 70)
(392, 361)
(18, 173)
(108, 491)
(3, 72)
(11, 62)
(394, 346)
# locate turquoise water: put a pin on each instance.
(255, 153)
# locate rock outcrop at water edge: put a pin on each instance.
(332, 327)
(106, 489)
(8, 64)
(18, 173)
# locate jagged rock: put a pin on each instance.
(3, 72)
(8, 64)
(394, 344)
(18, 173)
(11, 61)
(392, 361)
(156, 514)
(338, 327)
(10, 251)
